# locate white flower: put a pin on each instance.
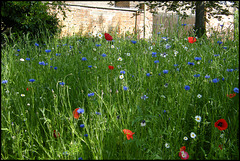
(150, 47)
(198, 62)
(221, 136)
(121, 76)
(119, 66)
(193, 135)
(198, 118)
(185, 138)
(119, 59)
(128, 54)
(143, 123)
(23, 95)
(99, 35)
(112, 46)
(167, 145)
(21, 59)
(199, 96)
(28, 104)
(90, 34)
(94, 49)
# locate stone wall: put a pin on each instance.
(85, 18)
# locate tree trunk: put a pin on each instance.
(200, 19)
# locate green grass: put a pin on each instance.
(27, 130)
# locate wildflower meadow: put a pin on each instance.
(102, 96)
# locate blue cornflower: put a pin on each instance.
(167, 46)
(27, 58)
(41, 63)
(187, 87)
(70, 47)
(236, 90)
(80, 111)
(207, 76)
(84, 59)
(156, 61)
(177, 69)
(18, 50)
(90, 66)
(184, 24)
(223, 79)
(164, 111)
(190, 63)
(125, 88)
(133, 41)
(148, 74)
(82, 125)
(55, 68)
(80, 158)
(144, 97)
(48, 50)
(230, 70)
(216, 55)
(4, 81)
(215, 80)
(196, 75)
(175, 65)
(65, 153)
(198, 58)
(90, 94)
(165, 71)
(219, 42)
(104, 55)
(58, 54)
(36, 44)
(64, 44)
(224, 47)
(166, 85)
(164, 38)
(62, 83)
(17, 54)
(154, 54)
(86, 135)
(31, 80)
(122, 72)
(98, 45)
(98, 113)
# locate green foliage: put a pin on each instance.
(32, 17)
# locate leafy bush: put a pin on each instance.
(33, 17)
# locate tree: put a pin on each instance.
(200, 8)
(213, 8)
(32, 17)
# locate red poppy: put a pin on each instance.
(183, 154)
(192, 39)
(221, 124)
(76, 115)
(111, 67)
(183, 148)
(27, 89)
(231, 95)
(54, 134)
(108, 37)
(220, 146)
(129, 133)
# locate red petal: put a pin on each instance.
(108, 37)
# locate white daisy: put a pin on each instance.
(23, 95)
(185, 138)
(199, 96)
(128, 54)
(112, 46)
(193, 135)
(198, 118)
(167, 145)
(99, 35)
(121, 76)
(119, 59)
(21, 59)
